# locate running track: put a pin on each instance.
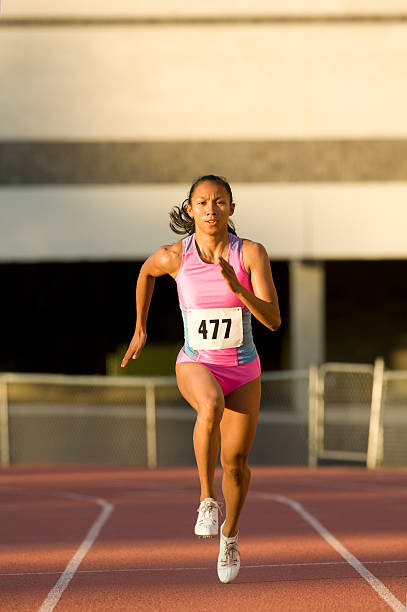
(121, 539)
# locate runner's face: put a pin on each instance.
(210, 207)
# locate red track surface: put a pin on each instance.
(146, 558)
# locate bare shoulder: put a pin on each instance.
(169, 252)
(255, 248)
(253, 253)
(167, 258)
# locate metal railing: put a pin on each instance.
(29, 395)
(332, 412)
(142, 421)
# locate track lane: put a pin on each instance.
(132, 564)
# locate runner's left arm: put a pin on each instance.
(263, 303)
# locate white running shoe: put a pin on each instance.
(207, 522)
(228, 559)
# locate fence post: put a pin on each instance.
(375, 441)
(313, 416)
(321, 411)
(4, 428)
(151, 426)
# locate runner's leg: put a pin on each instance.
(203, 392)
(238, 428)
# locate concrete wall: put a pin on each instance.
(219, 81)
(304, 221)
(293, 8)
(108, 112)
(300, 105)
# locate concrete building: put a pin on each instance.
(108, 112)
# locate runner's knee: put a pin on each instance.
(236, 466)
(210, 411)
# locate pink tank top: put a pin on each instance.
(201, 286)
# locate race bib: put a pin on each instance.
(215, 328)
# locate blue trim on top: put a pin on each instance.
(188, 350)
(235, 242)
(247, 352)
(188, 243)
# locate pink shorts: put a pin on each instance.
(229, 377)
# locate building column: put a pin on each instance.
(307, 313)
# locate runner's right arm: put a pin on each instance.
(166, 260)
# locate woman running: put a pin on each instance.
(221, 280)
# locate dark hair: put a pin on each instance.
(181, 222)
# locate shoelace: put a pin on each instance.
(230, 554)
(206, 510)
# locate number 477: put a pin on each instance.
(215, 322)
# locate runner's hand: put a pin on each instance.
(135, 347)
(229, 275)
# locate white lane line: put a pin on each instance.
(376, 584)
(55, 593)
(186, 569)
